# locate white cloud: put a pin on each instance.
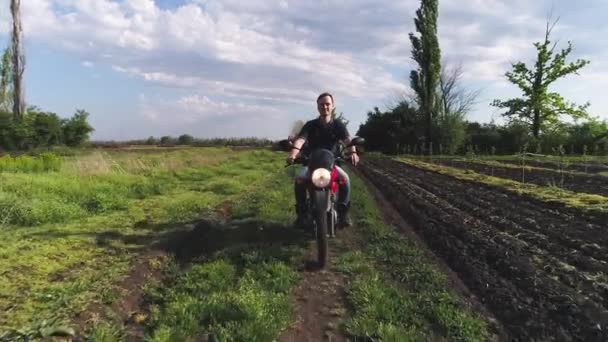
(278, 53)
(136, 34)
(195, 108)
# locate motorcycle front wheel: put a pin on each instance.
(321, 225)
(322, 243)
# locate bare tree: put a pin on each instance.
(454, 98)
(453, 105)
(18, 61)
(296, 126)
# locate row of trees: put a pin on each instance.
(38, 129)
(399, 130)
(186, 140)
(434, 118)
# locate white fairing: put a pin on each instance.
(321, 177)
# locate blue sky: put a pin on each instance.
(251, 68)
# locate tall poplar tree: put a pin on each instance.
(427, 54)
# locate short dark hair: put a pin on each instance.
(325, 94)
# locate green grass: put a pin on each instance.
(397, 293)
(106, 332)
(71, 235)
(243, 298)
(587, 202)
(102, 182)
(242, 291)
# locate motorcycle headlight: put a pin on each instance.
(321, 177)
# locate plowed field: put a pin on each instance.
(542, 270)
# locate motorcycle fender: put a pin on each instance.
(321, 200)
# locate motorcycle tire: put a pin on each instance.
(322, 239)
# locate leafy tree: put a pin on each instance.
(185, 139)
(76, 130)
(588, 134)
(485, 135)
(166, 140)
(339, 117)
(22, 134)
(46, 128)
(539, 108)
(6, 130)
(426, 53)
(514, 136)
(452, 131)
(391, 131)
(151, 141)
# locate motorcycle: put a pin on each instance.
(323, 181)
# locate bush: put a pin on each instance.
(45, 162)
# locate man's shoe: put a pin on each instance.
(300, 222)
(343, 216)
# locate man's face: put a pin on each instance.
(325, 105)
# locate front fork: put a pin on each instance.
(324, 200)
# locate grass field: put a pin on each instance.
(61, 229)
(229, 262)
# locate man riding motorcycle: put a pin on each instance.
(322, 132)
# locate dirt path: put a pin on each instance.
(318, 302)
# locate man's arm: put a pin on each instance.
(300, 139)
(297, 145)
(352, 149)
(346, 139)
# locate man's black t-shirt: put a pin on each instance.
(323, 135)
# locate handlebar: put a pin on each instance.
(303, 160)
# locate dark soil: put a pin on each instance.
(541, 271)
(393, 217)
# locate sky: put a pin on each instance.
(240, 68)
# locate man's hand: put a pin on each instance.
(290, 160)
(354, 158)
